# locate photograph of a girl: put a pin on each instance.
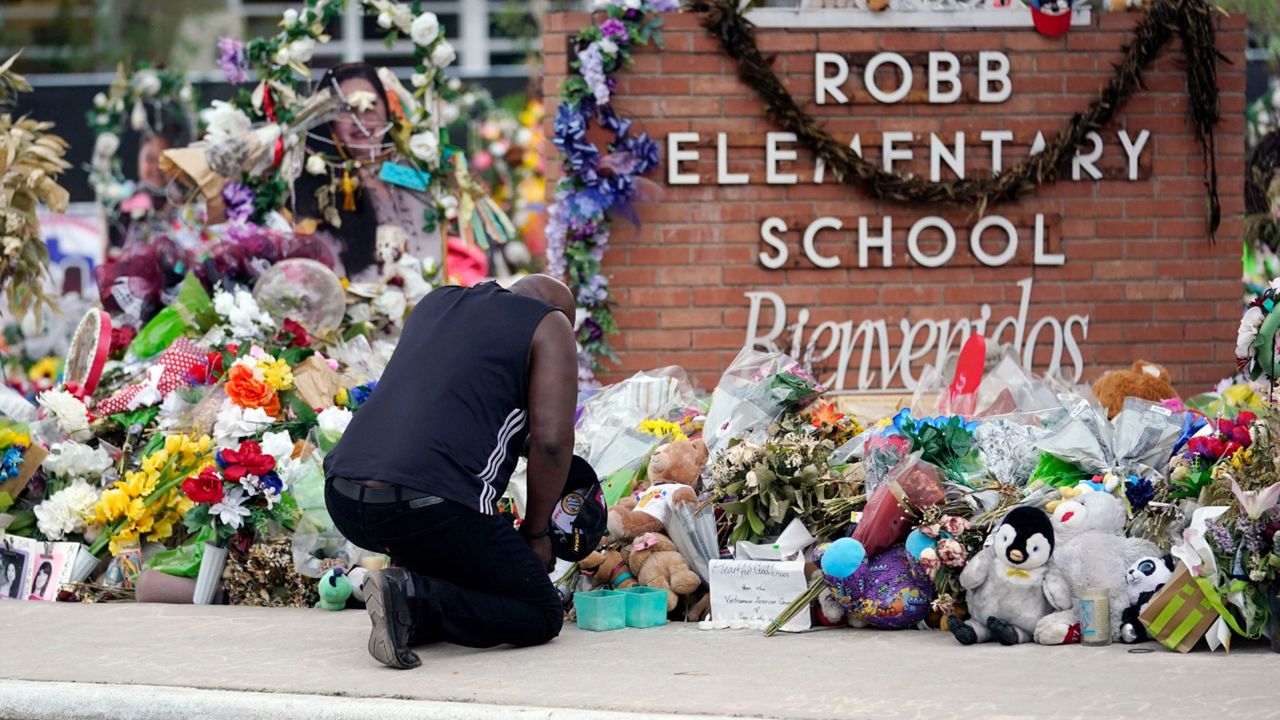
(44, 584)
(346, 202)
(13, 564)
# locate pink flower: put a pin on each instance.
(956, 526)
(929, 561)
(952, 553)
(931, 530)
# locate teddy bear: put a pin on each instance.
(655, 563)
(1005, 581)
(1091, 551)
(608, 568)
(674, 470)
(1144, 380)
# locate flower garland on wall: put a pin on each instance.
(146, 93)
(281, 63)
(597, 186)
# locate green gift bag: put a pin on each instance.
(192, 312)
(184, 560)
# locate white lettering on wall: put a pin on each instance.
(773, 154)
(677, 155)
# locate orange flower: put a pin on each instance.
(248, 392)
(826, 415)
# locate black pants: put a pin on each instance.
(476, 582)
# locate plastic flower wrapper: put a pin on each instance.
(608, 432)
(317, 545)
(754, 392)
(1140, 441)
(192, 313)
(1009, 449)
(944, 441)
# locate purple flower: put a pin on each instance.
(1139, 492)
(591, 67)
(645, 152)
(232, 60)
(271, 484)
(614, 123)
(663, 6)
(595, 290)
(614, 28)
(591, 331)
(239, 200)
(556, 233)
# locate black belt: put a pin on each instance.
(380, 495)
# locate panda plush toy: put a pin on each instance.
(1145, 578)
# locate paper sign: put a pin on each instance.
(751, 593)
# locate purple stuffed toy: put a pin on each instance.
(891, 591)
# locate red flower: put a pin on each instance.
(248, 460)
(1245, 418)
(121, 337)
(299, 333)
(204, 488)
(210, 372)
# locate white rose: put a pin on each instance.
(100, 101)
(185, 93)
(418, 80)
(442, 55)
(425, 146)
(282, 56)
(316, 165)
(290, 18)
(425, 29)
(450, 113)
(334, 419)
(384, 20)
(632, 4)
(106, 145)
(608, 46)
(147, 83)
(455, 84)
(138, 117)
(402, 18)
(302, 49)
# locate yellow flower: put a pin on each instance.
(161, 530)
(113, 504)
(1242, 396)
(46, 369)
(10, 437)
(1241, 458)
(276, 373)
(343, 397)
(663, 428)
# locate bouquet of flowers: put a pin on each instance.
(1229, 442)
(240, 493)
(72, 472)
(147, 503)
(952, 541)
(831, 425)
(763, 486)
(946, 442)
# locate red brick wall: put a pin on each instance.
(1137, 259)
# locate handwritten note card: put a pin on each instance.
(751, 593)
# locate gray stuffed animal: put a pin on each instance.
(1091, 552)
(1005, 581)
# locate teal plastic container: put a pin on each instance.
(646, 606)
(600, 610)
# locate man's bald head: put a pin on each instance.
(549, 290)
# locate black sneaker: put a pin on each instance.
(387, 601)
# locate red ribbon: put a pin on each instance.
(269, 109)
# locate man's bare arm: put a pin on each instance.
(553, 397)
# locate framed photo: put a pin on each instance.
(15, 564)
(46, 572)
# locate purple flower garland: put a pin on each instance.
(595, 187)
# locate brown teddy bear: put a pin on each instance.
(1144, 380)
(674, 470)
(656, 563)
(609, 569)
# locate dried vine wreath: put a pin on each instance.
(1190, 20)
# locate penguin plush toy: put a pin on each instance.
(1005, 581)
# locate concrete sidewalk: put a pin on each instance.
(287, 660)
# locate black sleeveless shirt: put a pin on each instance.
(451, 413)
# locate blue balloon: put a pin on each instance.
(843, 558)
(918, 542)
